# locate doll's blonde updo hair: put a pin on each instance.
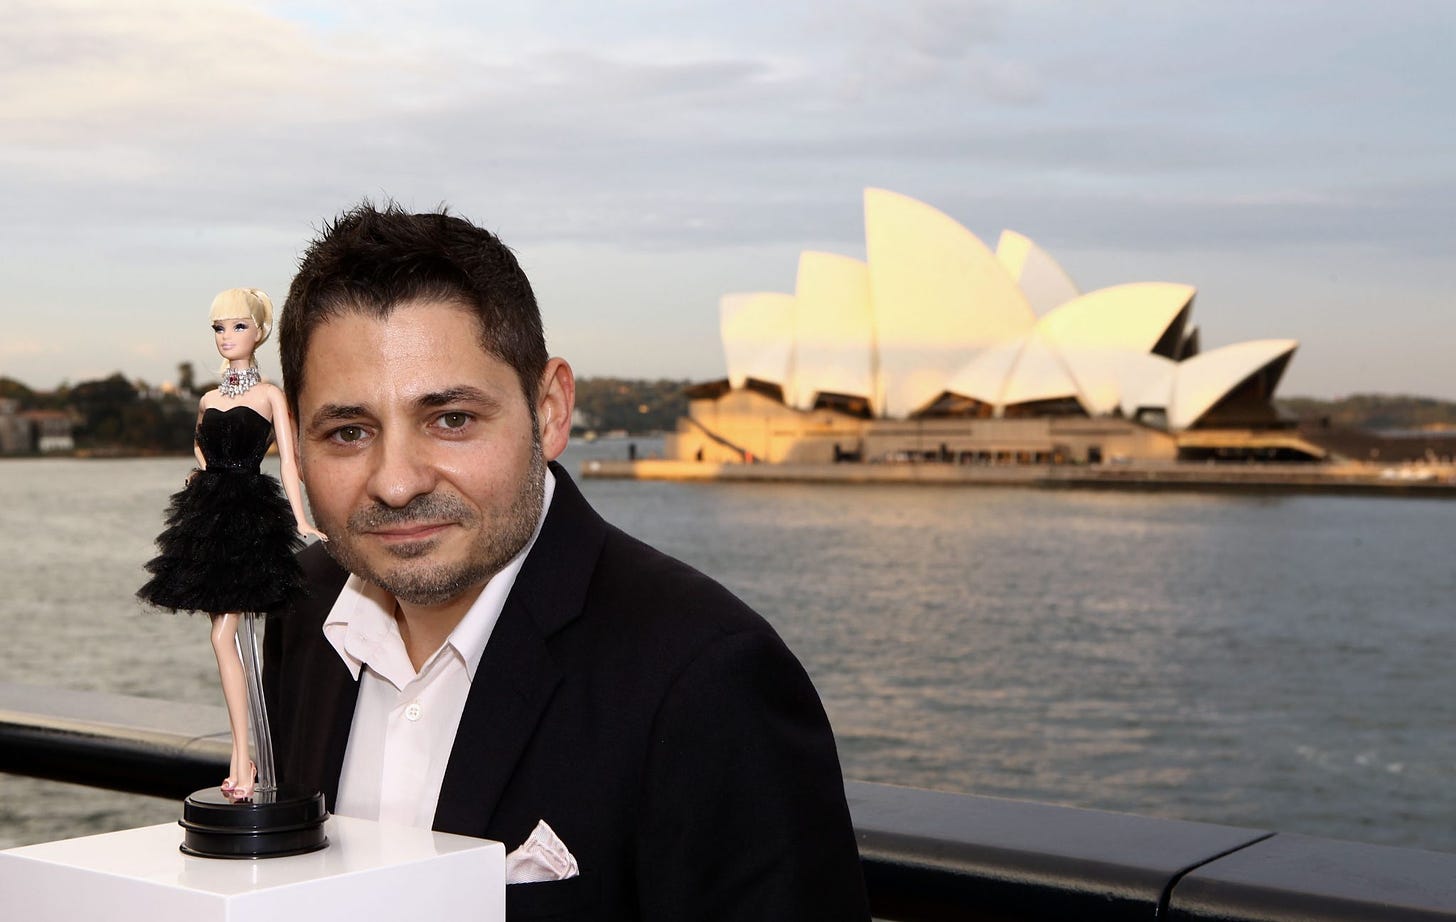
(251, 303)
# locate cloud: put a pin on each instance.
(94, 70)
(174, 146)
(925, 47)
(180, 112)
(149, 113)
(11, 347)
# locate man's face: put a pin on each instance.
(422, 460)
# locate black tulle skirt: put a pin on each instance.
(228, 547)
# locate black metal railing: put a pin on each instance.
(927, 856)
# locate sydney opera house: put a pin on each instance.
(935, 347)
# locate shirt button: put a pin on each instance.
(414, 711)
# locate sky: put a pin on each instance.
(1294, 161)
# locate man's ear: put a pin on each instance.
(554, 406)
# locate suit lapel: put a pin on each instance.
(329, 713)
(517, 674)
(512, 687)
(324, 692)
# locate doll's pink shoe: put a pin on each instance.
(234, 791)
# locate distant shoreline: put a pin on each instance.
(1361, 480)
(115, 454)
(95, 456)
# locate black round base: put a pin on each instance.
(288, 821)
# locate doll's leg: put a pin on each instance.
(239, 783)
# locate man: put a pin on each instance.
(482, 654)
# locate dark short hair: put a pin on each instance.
(370, 260)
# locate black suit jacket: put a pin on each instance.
(657, 724)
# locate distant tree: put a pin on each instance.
(179, 419)
(185, 377)
(13, 390)
(143, 425)
(630, 404)
(102, 405)
(58, 399)
(1372, 411)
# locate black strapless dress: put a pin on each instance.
(230, 536)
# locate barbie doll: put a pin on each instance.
(231, 532)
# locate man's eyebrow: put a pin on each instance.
(463, 393)
(335, 412)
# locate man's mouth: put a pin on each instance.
(409, 533)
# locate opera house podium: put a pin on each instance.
(369, 870)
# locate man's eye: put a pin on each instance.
(454, 420)
(348, 434)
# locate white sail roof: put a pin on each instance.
(1146, 380)
(1020, 370)
(1208, 377)
(1101, 335)
(984, 377)
(1040, 373)
(758, 336)
(939, 297)
(1045, 283)
(1133, 316)
(834, 329)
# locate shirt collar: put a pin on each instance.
(362, 630)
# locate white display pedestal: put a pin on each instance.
(369, 871)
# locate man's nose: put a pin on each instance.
(401, 469)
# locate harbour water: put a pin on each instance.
(1279, 662)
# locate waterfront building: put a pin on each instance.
(936, 347)
(24, 432)
(52, 431)
(15, 436)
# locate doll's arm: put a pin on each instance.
(239, 783)
(196, 448)
(283, 432)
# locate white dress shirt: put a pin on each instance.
(405, 722)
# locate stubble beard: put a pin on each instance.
(424, 583)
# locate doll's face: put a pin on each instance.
(236, 337)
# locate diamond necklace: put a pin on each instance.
(236, 382)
